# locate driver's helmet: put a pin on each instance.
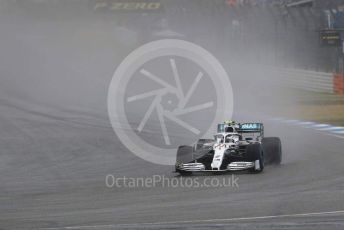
(229, 122)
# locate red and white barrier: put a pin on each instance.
(338, 84)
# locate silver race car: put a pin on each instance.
(234, 147)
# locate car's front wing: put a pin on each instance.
(199, 167)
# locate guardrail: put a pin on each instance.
(307, 80)
(322, 82)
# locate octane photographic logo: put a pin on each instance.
(168, 93)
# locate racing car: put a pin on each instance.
(234, 147)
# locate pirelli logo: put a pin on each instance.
(128, 5)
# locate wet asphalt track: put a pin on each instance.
(53, 167)
(57, 146)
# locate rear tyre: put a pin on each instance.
(255, 154)
(272, 148)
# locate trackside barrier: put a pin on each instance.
(338, 84)
(305, 79)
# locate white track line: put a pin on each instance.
(334, 135)
(307, 123)
(320, 126)
(338, 132)
(291, 121)
(311, 214)
(324, 128)
(332, 128)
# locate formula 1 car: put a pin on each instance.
(234, 147)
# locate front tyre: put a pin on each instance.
(255, 154)
(184, 154)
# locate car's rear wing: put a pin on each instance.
(251, 128)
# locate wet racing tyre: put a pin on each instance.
(272, 149)
(254, 153)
